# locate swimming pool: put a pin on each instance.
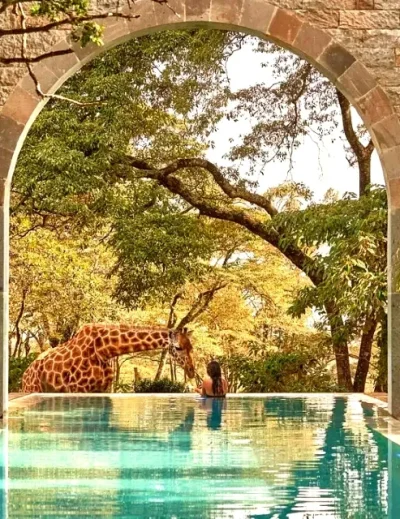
(182, 457)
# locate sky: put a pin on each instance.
(320, 168)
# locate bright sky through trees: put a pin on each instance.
(319, 165)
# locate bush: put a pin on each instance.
(163, 385)
(17, 367)
(277, 372)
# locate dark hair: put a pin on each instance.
(214, 371)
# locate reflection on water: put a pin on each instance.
(190, 458)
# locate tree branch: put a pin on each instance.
(362, 153)
(33, 76)
(172, 315)
(71, 20)
(231, 191)
(35, 59)
(164, 177)
(200, 305)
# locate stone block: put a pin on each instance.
(394, 96)
(386, 76)
(285, 26)
(115, 29)
(336, 60)
(5, 162)
(224, 12)
(175, 13)
(198, 10)
(393, 188)
(311, 41)
(387, 4)
(256, 15)
(322, 18)
(4, 326)
(329, 4)
(60, 65)
(391, 163)
(394, 353)
(9, 75)
(369, 19)
(364, 5)
(375, 106)
(387, 132)
(287, 4)
(20, 105)
(45, 77)
(85, 53)
(10, 132)
(356, 82)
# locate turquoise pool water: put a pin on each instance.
(185, 458)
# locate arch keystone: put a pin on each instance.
(173, 14)
(257, 15)
(198, 10)
(231, 13)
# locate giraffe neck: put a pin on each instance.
(113, 341)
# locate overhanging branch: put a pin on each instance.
(165, 177)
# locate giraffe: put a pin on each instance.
(82, 364)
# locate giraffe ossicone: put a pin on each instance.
(82, 364)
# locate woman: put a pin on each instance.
(214, 385)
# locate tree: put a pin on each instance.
(56, 285)
(154, 124)
(355, 275)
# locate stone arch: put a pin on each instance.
(305, 32)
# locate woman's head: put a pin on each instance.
(214, 369)
(214, 372)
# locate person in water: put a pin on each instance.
(215, 384)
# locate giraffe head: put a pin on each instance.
(181, 350)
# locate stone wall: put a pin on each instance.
(368, 29)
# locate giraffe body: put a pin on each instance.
(82, 365)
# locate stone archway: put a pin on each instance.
(353, 42)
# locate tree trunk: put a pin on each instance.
(161, 365)
(381, 383)
(365, 354)
(362, 153)
(340, 349)
(364, 167)
(171, 369)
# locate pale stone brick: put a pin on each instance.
(387, 4)
(369, 19)
(323, 18)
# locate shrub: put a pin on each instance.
(276, 372)
(17, 367)
(163, 385)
